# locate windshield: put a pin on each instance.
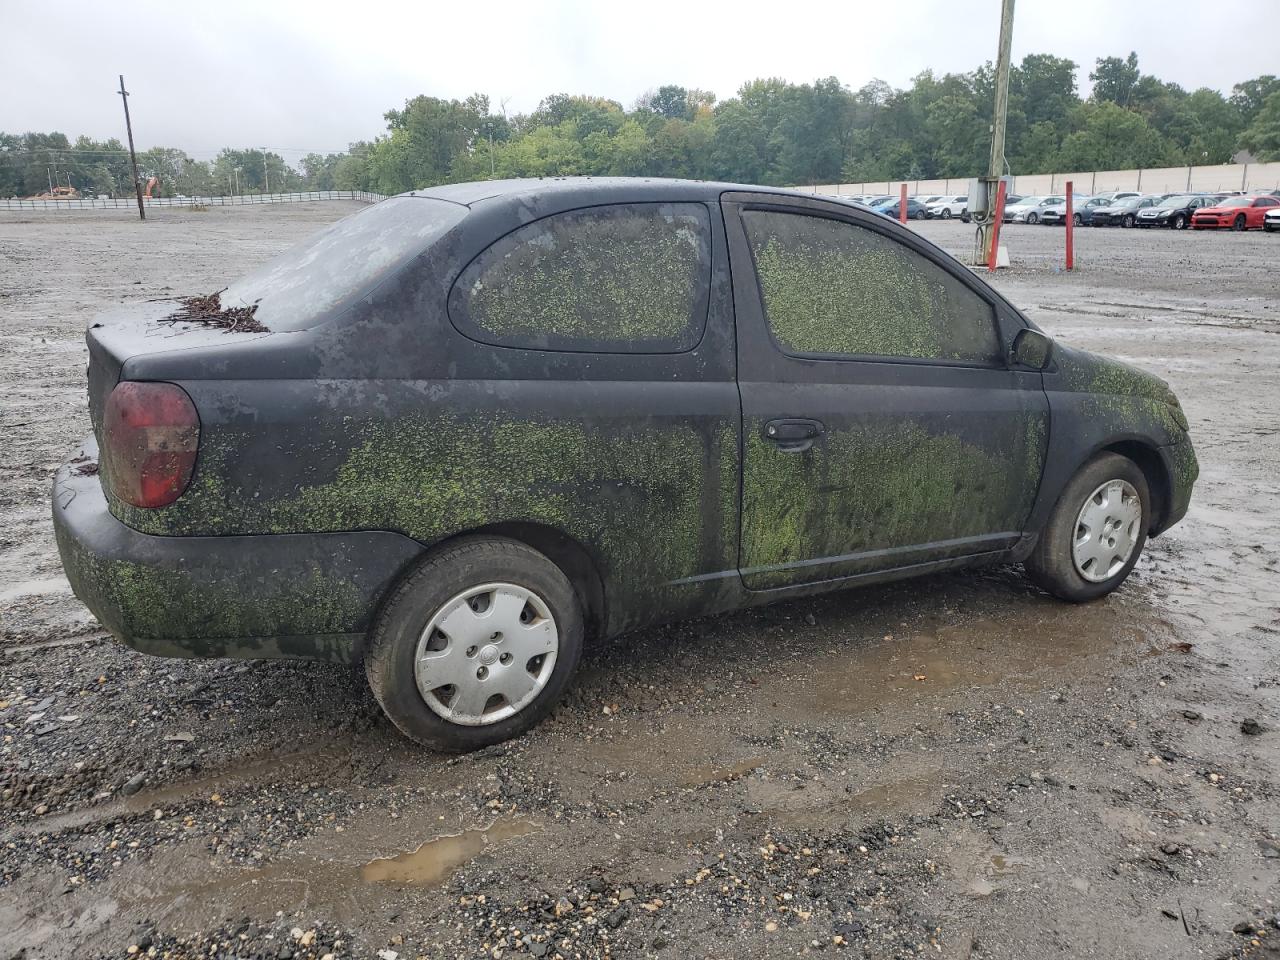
(343, 262)
(1235, 202)
(1177, 201)
(1029, 202)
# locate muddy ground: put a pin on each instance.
(955, 767)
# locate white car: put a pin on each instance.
(944, 208)
(1271, 220)
(1030, 209)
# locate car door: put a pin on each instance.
(881, 426)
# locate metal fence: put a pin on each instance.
(131, 203)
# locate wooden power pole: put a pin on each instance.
(988, 233)
(133, 157)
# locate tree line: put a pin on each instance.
(772, 131)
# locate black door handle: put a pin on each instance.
(793, 435)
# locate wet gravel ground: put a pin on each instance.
(955, 767)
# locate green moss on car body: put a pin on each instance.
(655, 500)
(831, 290)
(196, 613)
(896, 484)
(564, 277)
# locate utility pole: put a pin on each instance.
(266, 174)
(984, 219)
(133, 157)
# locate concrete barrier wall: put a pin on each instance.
(1226, 176)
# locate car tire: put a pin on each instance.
(1033, 218)
(1062, 562)
(920, 215)
(946, 213)
(1268, 227)
(487, 576)
(1077, 220)
(1179, 222)
(1129, 220)
(1239, 223)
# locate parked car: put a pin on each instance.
(459, 432)
(1123, 212)
(915, 209)
(1030, 209)
(1082, 209)
(1175, 211)
(1271, 220)
(1234, 213)
(929, 200)
(945, 208)
(1114, 195)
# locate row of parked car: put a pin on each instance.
(1120, 208)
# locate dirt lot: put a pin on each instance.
(955, 767)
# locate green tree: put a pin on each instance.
(1114, 79)
(1248, 97)
(1262, 137)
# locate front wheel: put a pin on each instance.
(1096, 532)
(1239, 223)
(1179, 222)
(1129, 220)
(475, 645)
(1077, 220)
(946, 213)
(1033, 218)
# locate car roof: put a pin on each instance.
(595, 190)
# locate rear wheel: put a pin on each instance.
(1179, 222)
(1129, 220)
(946, 213)
(1096, 532)
(476, 645)
(1239, 222)
(1033, 218)
(1077, 220)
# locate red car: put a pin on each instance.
(1238, 213)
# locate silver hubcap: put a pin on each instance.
(486, 654)
(1107, 530)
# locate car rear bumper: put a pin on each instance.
(297, 595)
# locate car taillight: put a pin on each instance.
(151, 435)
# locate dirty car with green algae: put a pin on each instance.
(475, 425)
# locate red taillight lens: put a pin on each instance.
(152, 432)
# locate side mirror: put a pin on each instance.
(1031, 348)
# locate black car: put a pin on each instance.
(1122, 212)
(1175, 211)
(456, 434)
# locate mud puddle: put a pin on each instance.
(437, 859)
(943, 658)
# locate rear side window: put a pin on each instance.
(623, 278)
(832, 288)
(343, 262)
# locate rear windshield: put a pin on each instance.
(343, 262)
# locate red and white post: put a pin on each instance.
(1071, 229)
(902, 204)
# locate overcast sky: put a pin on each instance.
(301, 76)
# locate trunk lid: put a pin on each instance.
(140, 330)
